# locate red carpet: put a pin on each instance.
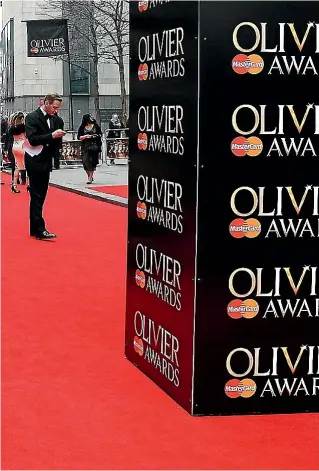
(69, 399)
(121, 190)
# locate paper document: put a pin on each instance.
(32, 150)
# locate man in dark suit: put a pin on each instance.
(43, 128)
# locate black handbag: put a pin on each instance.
(93, 145)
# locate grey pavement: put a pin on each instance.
(74, 179)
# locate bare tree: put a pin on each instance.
(83, 36)
(99, 31)
(112, 17)
(84, 42)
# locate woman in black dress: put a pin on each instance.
(90, 134)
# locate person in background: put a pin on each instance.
(22, 177)
(17, 131)
(42, 129)
(10, 156)
(90, 135)
(115, 126)
(23, 173)
(56, 157)
(4, 132)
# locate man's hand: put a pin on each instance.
(58, 133)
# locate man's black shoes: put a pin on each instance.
(45, 235)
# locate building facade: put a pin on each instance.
(26, 80)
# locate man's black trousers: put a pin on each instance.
(38, 182)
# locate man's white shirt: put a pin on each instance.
(46, 114)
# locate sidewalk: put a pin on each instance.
(74, 180)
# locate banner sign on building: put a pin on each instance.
(47, 38)
(223, 264)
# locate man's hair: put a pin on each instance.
(51, 97)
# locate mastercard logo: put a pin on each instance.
(243, 64)
(249, 228)
(142, 141)
(141, 210)
(34, 50)
(238, 308)
(140, 278)
(240, 388)
(242, 146)
(138, 345)
(142, 72)
(143, 5)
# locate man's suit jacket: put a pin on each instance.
(39, 133)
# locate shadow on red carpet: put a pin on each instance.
(69, 398)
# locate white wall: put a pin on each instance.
(109, 79)
(50, 73)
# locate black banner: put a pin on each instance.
(248, 266)
(47, 38)
(257, 314)
(162, 193)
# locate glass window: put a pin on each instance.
(80, 77)
(7, 70)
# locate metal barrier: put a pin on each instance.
(70, 153)
(5, 163)
(116, 148)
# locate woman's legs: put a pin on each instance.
(15, 181)
(90, 175)
(16, 176)
(95, 162)
(86, 170)
(90, 165)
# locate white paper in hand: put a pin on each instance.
(32, 150)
